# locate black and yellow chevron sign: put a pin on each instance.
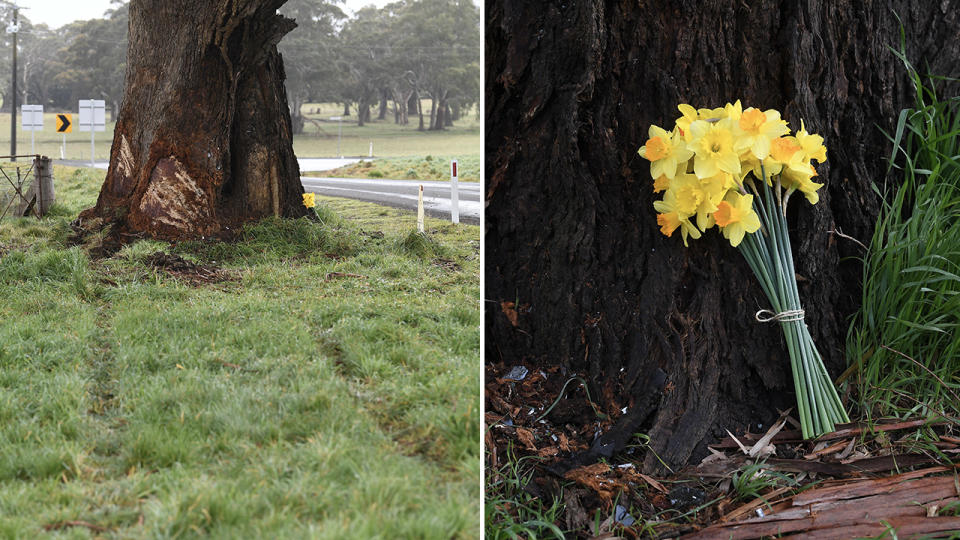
(63, 123)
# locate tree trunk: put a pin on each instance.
(203, 138)
(363, 112)
(419, 105)
(401, 100)
(577, 272)
(382, 113)
(296, 116)
(346, 108)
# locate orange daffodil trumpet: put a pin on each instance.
(736, 168)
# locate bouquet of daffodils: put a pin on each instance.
(737, 169)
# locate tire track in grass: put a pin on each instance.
(102, 392)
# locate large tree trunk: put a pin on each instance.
(577, 272)
(203, 139)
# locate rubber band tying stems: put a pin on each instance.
(790, 315)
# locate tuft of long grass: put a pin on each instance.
(512, 512)
(905, 340)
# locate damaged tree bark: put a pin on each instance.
(203, 141)
(577, 272)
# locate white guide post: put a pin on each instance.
(454, 196)
(420, 209)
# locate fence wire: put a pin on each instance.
(16, 199)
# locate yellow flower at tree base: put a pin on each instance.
(704, 168)
(309, 200)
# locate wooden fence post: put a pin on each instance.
(43, 184)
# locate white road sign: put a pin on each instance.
(92, 115)
(31, 117)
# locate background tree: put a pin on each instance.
(92, 60)
(365, 57)
(578, 273)
(310, 52)
(440, 37)
(203, 139)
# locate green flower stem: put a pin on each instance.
(769, 255)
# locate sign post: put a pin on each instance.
(454, 196)
(64, 126)
(31, 119)
(92, 119)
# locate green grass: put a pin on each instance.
(320, 139)
(325, 387)
(410, 168)
(905, 340)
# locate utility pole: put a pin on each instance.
(12, 29)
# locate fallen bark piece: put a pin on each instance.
(862, 488)
(832, 449)
(905, 527)
(863, 509)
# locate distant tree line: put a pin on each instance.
(380, 62)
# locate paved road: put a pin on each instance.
(396, 193)
(403, 194)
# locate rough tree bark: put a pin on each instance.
(577, 272)
(203, 139)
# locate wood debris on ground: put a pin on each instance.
(860, 480)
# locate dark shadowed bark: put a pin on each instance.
(203, 138)
(577, 272)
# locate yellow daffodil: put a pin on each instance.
(811, 145)
(683, 123)
(714, 188)
(735, 217)
(785, 150)
(669, 218)
(688, 192)
(665, 151)
(309, 200)
(801, 179)
(754, 129)
(750, 164)
(712, 144)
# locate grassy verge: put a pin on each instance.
(323, 137)
(905, 341)
(409, 168)
(305, 381)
